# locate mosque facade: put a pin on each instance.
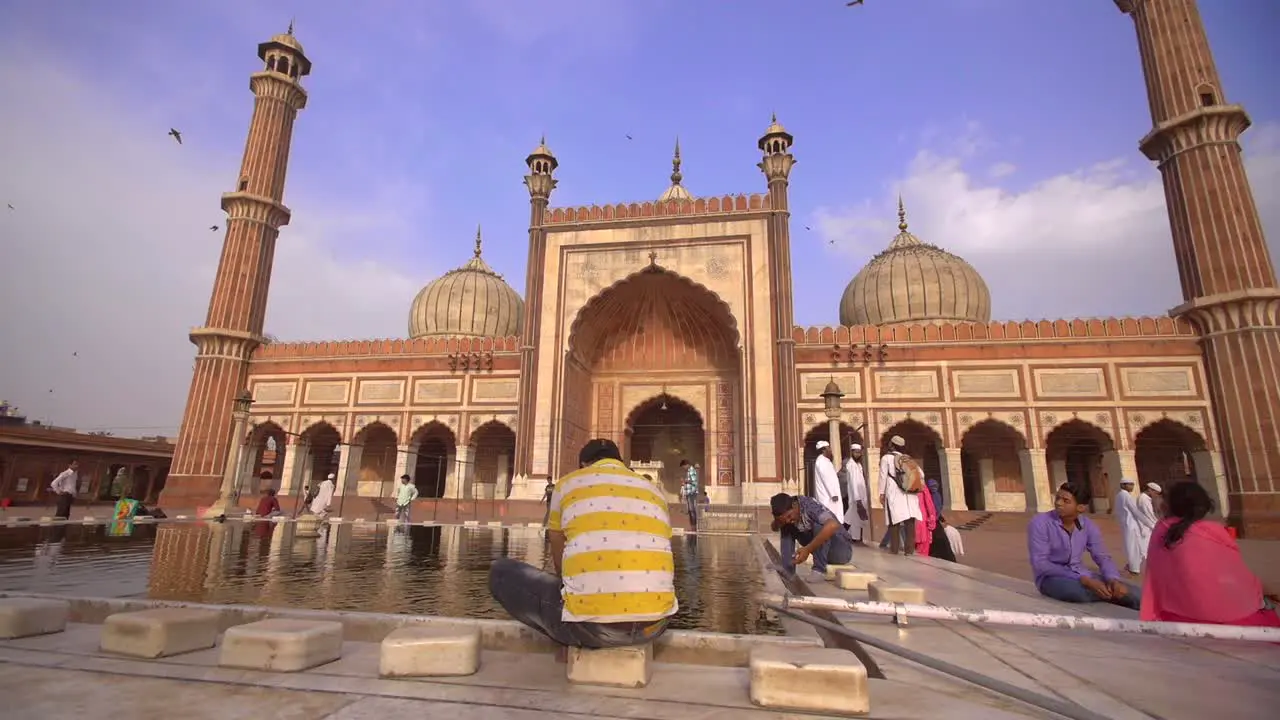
(667, 326)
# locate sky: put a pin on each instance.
(1009, 127)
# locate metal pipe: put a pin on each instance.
(1035, 620)
(1034, 699)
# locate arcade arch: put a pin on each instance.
(493, 448)
(666, 430)
(375, 448)
(653, 328)
(823, 432)
(433, 447)
(1080, 452)
(1167, 451)
(321, 447)
(925, 445)
(264, 452)
(995, 467)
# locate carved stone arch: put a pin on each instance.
(665, 428)
(1052, 421)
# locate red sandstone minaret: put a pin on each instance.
(233, 327)
(1228, 281)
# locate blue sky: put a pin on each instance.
(421, 114)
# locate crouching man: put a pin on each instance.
(610, 536)
(803, 520)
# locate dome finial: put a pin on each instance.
(290, 30)
(902, 215)
(477, 240)
(676, 191)
(676, 177)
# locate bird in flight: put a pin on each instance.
(10, 206)
(213, 228)
(851, 3)
(176, 135)
(806, 227)
(75, 354)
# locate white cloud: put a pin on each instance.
(108, 255)
(1094, 242)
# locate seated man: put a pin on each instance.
(821, 534)
(1057, 541)
(611, 548)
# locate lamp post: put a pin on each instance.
(229, 495)
(831, 402)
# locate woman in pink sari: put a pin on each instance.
(1195, 573)
(926, 526)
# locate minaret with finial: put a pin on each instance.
(776, 165)
(540, 182)
(677, 191)
(1227, 276)
(238, 306)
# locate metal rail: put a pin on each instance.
(1034, 620)
(1034, 699)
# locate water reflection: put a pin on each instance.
(420, 570)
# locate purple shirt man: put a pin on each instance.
(1056, 543)
(1057, 553)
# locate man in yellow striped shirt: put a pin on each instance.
(611, 547)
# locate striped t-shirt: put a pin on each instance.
(617, 556)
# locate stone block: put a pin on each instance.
(884, 592)
(160, 632)
(854, 580)
(615, 667)
(833, 571)
(424, 651)
(23, 617)
(282, 645)
(811, 679)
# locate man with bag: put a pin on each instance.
(900, 480)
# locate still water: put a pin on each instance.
(415, 570)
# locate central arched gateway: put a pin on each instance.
(655, 338)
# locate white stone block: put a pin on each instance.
(470, 523)
(88, 520)
(282, 645)
(494, 523)
(160, 632)
(833, 571)
(880, 591)
(23, 617)
(616, 667)
(854, 580)
(812, 679)
(425, 651)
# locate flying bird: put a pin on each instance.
(806, 227)
(75, 354)
(213, 228)
(628, 137)
(176, 135)
(10, 206)
(851, 3)
(831, 242)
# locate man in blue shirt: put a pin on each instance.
(1057, 541)
(802, 520)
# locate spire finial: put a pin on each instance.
(290, 30)
(902, 215)
(773, 117)
(542, 140)
(676, 177)
(477, 240)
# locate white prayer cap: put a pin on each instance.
(330, 477)
(1126, 481)
(822, 444)
(855, 446)
(1155, 486)
(897, 441)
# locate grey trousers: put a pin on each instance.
(533, 597)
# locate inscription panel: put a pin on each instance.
(494, 390)
(381, 392)
(1070, 382)
(986, 383)
(274, 393)
(428, 392)
(1158, 382)
(907, 385)
(812, 385)
(327, 392)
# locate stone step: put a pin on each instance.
(833, 571)
(855, 580)
(613, 667)
(160, 632)
(825, 680)
(428, 651)
(895, 593)
(24, 617)
(281, 645)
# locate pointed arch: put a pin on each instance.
(433, 445)
(993, 466)
(924, 443)
(494, 444)
(1166, 451)
(1075, 450)
(822, 431)
(265, 452)
(667, 429)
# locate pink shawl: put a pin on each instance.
(1201, 579)
(925, 527)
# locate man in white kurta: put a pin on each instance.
(826, 485)
(856, 516)
(1125, 509)
(324, 496)
(1146, 516)
(901, 510)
